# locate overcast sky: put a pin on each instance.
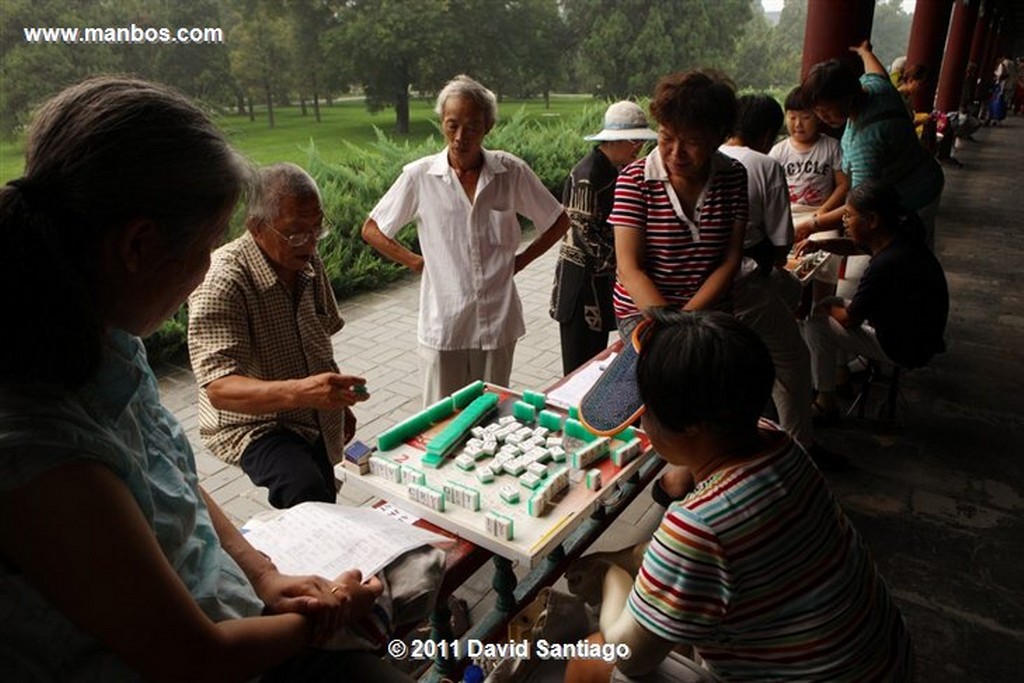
(776, 5)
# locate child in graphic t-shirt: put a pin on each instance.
(812, 162)
(817, 186)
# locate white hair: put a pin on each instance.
(276, 181)
(464, 86)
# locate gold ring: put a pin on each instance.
(335, 590)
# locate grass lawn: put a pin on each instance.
(347, 121)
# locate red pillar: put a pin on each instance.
(977, 54)
(951, 79)
(927, 38)
(832, 27)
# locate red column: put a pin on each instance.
(832, 27)
(927, 38)
(981, 31)
(951, 79)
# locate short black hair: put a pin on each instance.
(831, 81)
(795, 100)
(757, 116)
(701, 98)
(703, 368)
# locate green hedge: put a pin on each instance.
(351, 189)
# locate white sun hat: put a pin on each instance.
(624, 121)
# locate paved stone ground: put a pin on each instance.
(938, 496)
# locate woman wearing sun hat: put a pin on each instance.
(581, 300)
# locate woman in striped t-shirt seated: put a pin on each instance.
(680, 212)
(757, 568)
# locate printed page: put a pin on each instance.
(326, 539)
(573, 391)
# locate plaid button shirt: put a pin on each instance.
(244, 321)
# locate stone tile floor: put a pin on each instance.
(939, 496)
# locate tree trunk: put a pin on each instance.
(316, 99)
(270, 103)
(240, 102)
(252, 114)
(547, 98)
(302, 103)
(402, 112)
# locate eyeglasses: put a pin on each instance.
(303, 238)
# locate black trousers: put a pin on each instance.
(293, 469)
(579, 342)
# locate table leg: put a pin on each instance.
(441, 632)
(504, 584)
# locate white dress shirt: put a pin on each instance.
(468, 297)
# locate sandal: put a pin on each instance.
(821, 417)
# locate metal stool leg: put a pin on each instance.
(866, 391)
(861, 401)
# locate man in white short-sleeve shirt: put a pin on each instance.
(465, 202)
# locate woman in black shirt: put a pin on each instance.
(898, 314)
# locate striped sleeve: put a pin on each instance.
(684, 587)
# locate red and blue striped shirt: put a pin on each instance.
(761, 571)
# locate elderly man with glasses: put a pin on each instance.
(271, 397)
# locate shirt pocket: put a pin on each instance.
(503, 228)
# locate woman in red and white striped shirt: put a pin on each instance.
(680, 212)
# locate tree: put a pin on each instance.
(32, 72)
(514, 47)
(388, 46)
(751, 63)
(788, 37)
(543, 43)
(310, 19)
(890, 32)
(627, 45)
(259, 53)
(200, 70)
